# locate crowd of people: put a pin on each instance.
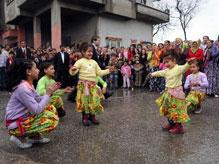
(132, 64)
(183, 71)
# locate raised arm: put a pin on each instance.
(184, 68)
(159, 73)
(100, 72)
(75, 68)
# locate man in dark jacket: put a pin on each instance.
(61, 63)
(95, 40)
(23, 51)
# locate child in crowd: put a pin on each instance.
(48, 73)
(172, 103)
(28, 115)
(88, 100)
(197, 83)
(126, 74)
(138, 70)
(113, 78)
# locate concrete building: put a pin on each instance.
(117, 22)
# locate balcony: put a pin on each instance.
(150, 14)
(103, 2)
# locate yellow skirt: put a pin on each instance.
(89, 98)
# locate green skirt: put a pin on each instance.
(194, 98)
(89, 98)
(173, 108)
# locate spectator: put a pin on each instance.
(23, 51)
(61, 63)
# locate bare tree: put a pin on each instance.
(186, 10)
(161, 28)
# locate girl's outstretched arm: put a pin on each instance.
(158, 73)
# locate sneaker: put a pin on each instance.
(198, 110)
(38, 141)
(216, 96)
(22, 145)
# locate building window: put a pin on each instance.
(134, 41)
(8, 2)
(113, 42)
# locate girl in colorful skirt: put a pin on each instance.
(197, 83)
(28, 115)
(88, 100)
(56, 99)
(172, 103)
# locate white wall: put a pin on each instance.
(125, 29)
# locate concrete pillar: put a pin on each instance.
(21, 34)
(36, 32)
(55, 24)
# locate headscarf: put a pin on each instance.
(193, 49)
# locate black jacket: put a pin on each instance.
(58, 63)
(21, 54)
(96, 55)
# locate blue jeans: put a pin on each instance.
(114, 80)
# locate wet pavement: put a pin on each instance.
(129, 133)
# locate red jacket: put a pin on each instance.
(130, 55)
(199, 54)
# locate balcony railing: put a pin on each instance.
(152, 14)
(143, 2)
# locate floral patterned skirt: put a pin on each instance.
(57, 102)
(173, 108)
(89, 98)
(42, 123)
(195, 98)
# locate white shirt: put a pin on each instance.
(24, 50)
(63, 56)
(203, 46)
(5, 52)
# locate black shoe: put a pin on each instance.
(61, 112)
(108, 94)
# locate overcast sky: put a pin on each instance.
(205, 22)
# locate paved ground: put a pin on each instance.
(129, 133)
